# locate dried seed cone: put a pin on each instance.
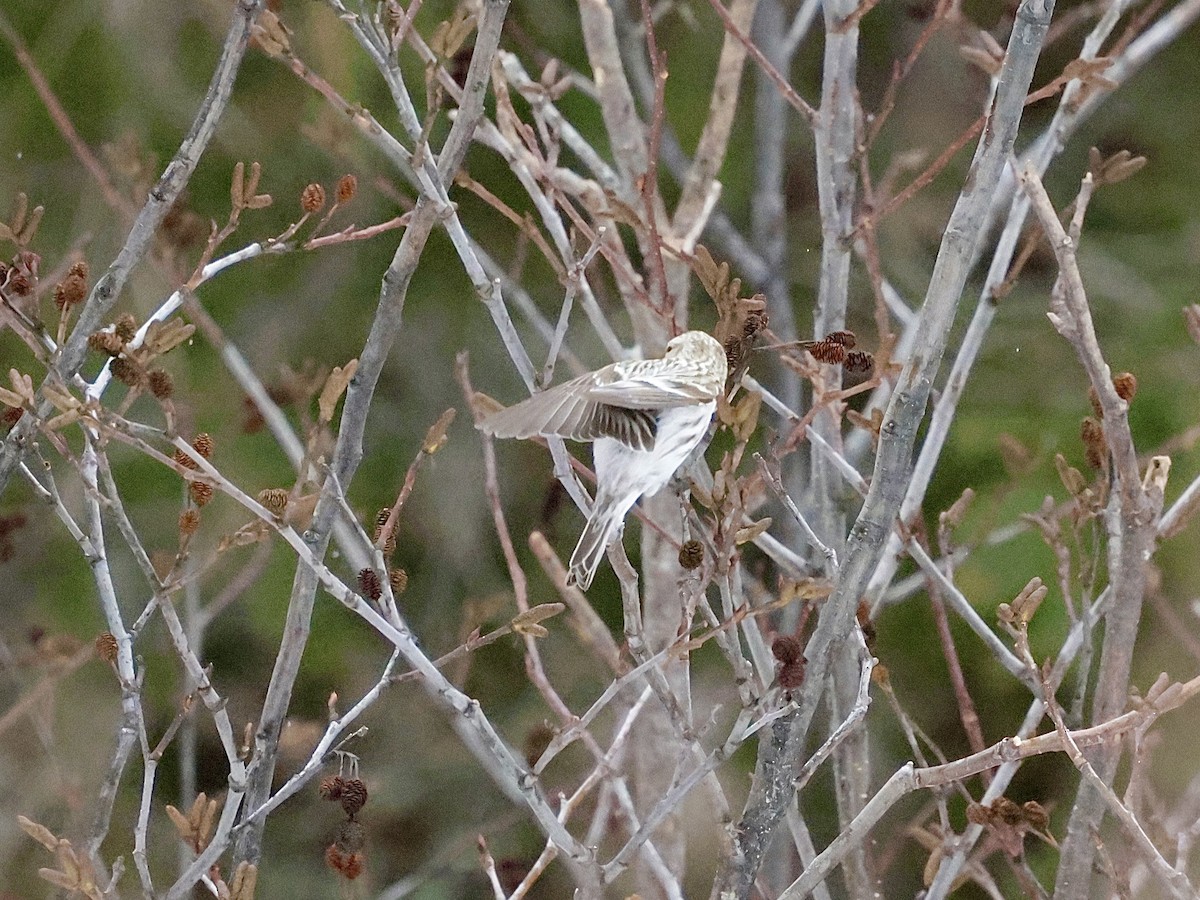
(1095, 446)
(105, 342)
(368, 584)
(162, 385)
(312, 198)
(274, 499)
(791, 675)
(691, 554)
(1126, 385)
(127, 372)
(399, 580)
(201, 493)
(787, 649)
(203, 444)
(754, 323)
(354, 796)
(845, 338)
(184, 460)
(331, 787)
(71, 290)
(828, 351)
(381, 518)
(859, 361)
(189, 521)
(106, 646)
(347, 187)
(125, 327)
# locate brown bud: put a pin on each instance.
(347, 187)
(399, 580)
(10, 415)
(1094, 445)
(1126, 385)
(203, 444)
(312, 198)
(1094, 399)
(354, 796)
(162, 385)
(274, 499)
(189, 521)
(331, 787)
(127, 372)
(106, 646)
(859, 361)
(828, 351)
(368, 584)
(691, 554)
(845, 338)
(201, 492)
(125, 327)
(105, 342)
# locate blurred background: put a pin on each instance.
(130, 74)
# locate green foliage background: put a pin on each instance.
(131, 74)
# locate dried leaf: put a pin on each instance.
(335, 386)
(39, 833)
(750, 532)
(436, 437)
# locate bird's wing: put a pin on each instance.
(648, 384)
(569, 411)
(650, 392)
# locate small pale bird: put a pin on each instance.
(645, 417)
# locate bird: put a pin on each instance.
(643, 417)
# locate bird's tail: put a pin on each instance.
(602, 526)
